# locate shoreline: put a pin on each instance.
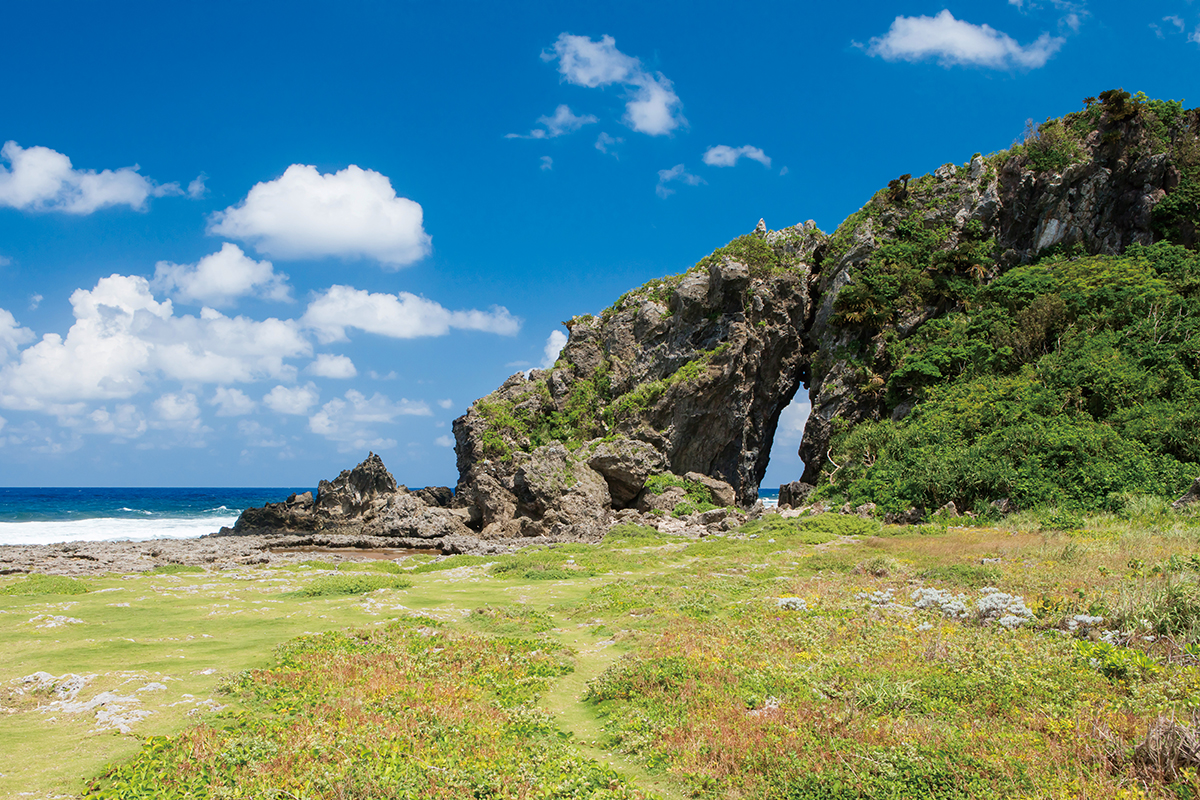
(218, 551)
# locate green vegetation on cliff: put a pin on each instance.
(1070, 381)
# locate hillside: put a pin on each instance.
(1021, 326)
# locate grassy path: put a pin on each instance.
(564, 701)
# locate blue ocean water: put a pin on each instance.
(46, 515)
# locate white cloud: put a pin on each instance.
(444, 441)
(351, 422)
(125, 421)
(35, 300)
(791, 422)
(172, 407)
(196, 189)
(293, 400)
(547, 162)
(652, 107)
(231, 402)
(564, 121)
(1176, 21)
(12, 335)
(554, 345)
(122, 337)
(604, 141)
(350, 214)
(1194, 36)
(41, 179)
(220, 278)
(955, 42)
(5, 261)
(3, 422)
(675, 173)
(400, 316)
(447, 403)
(723, 155)
(331, 366)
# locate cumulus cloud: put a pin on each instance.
(124, 422)
(651, 107)
(231, 402)
(399, 316)
(954, 42)
(723, 155)
(444, 441)
(292, 399)
(564, 121)
(181, 407)
(554, 345)
(351, 422)
(331, 366)
(122, 337)
(258, 435)
(12, 335)
(547, 162)
(353, 213)
(675, 173)
(221, 278)
(447, 403)
(41, 179)
(604, 141)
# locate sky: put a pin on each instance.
(243, 244)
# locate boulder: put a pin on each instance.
(793, 495)
(440, 496)
(671, 496)
(722, 493)
(1188, 498)
(625, 464)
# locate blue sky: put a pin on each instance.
(244, 243)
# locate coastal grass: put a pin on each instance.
(783, 661)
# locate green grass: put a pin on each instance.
(36, 584)
(336, 585)
(652, 664)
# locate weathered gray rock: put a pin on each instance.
(722, 493)
(666, 501)
(357, 491)
(625, 464)
(793, 495)
(1189, 498)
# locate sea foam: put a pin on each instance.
(102, 529)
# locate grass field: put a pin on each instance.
(823, 657)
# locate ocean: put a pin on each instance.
(45, 516)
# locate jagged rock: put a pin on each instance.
(722, 493)
(913, 516)
(440, 496)
(948, 510)
(356, 491)
(793, 495)
(625, 464)
(1188, 498)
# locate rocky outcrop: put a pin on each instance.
(364, 501)
(686, 376)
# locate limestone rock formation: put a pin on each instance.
(667, 402)
(362, 501)
(1189, 498)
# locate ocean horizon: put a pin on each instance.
(49, 515)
